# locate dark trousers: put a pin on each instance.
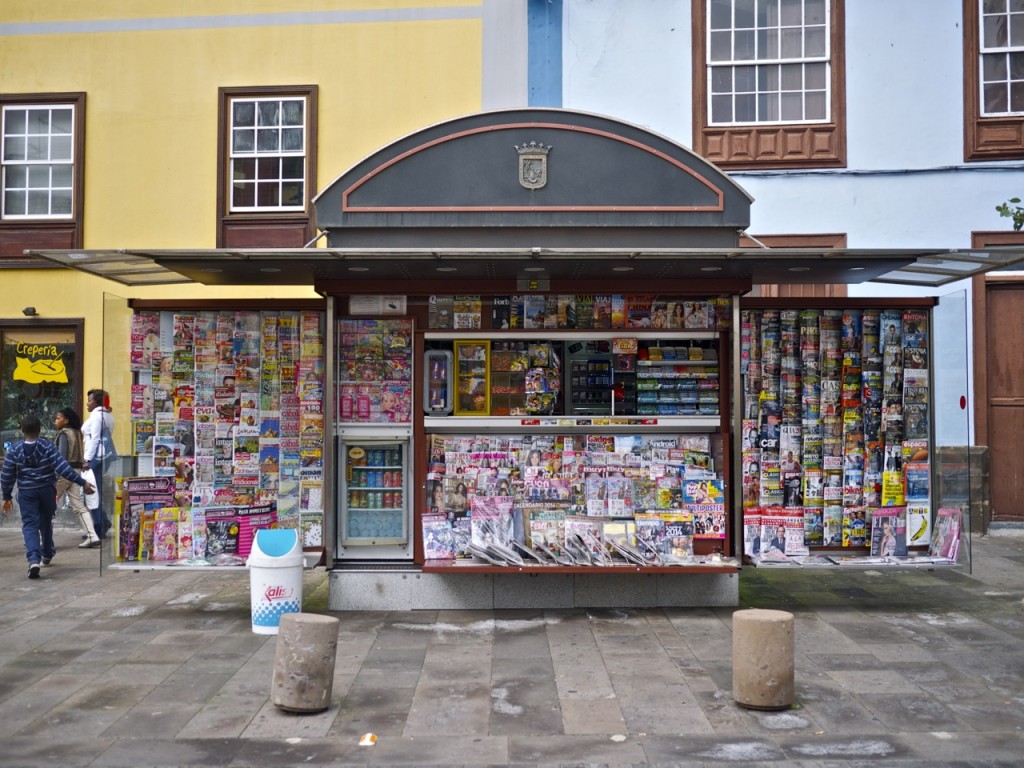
(37, 507)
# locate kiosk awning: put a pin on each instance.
(307, 266)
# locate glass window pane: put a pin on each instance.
(814, 12)
(767, 13)
(16, 176)
(268, 168)
(14, 148)
(291, 193)
(39, 121)
(243, 194)
(267, 194)
(1017, 66)
(721, 79)
(1017, 97)
(291, 139)
(815, 77)
(744, 14)
(292, 114)
(815, 106)
(792, 44)
(14, 121)
(995, 97)
(268, 113)
(767, 44)
(744, 46)
(1017, 29)
(38, 203)
(39, 177)
(243, 113)
(243, 169)
(62, 121)
(746, 108)
(721, 14)
(792, 12)
(745, 77)
(994, 6)
(38, 148)
(792, 106)
(993, 67)
(267, 140)
(768, 78)
(61, 202)
(60, 148)
(721, 109)
(814, 41)
(768, 107)
(14, 204)
(994, 31)
(792, 77)
(721, 46)
(1016, 6)
(61, 175)
(243, 141)
(292, 167)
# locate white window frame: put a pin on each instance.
(19, 143)
(271, 135)
(762, 62)
(1009, 15)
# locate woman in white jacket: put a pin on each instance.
(99, 421)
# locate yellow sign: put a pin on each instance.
(40, 371)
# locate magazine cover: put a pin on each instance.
(438, 542)
(946, 536)
(547, 527)
(782, 531)
(919, 528)
(752, 531)
(678, 533)
(650, 532)
(889, 533)
(490, 520)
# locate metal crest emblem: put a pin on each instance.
(533, 165)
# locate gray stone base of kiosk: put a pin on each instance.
(307, 645)
(763, 659)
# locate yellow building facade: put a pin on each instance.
(148, 84)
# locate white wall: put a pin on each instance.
(906, 184)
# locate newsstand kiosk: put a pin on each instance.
(536, 379)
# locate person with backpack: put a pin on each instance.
(71, 446)
(34, 463)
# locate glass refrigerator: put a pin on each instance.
(376, 509)
(374, 433)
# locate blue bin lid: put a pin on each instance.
(275, 542)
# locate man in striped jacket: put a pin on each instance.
(34, 464)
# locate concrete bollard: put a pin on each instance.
(307, 644)
(763, 659)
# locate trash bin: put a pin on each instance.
(275, 577)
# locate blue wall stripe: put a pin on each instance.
(544, 18)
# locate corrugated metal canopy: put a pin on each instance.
(307, 266)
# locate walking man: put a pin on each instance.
(34, 463)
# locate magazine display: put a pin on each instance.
(835, 408)
(227, 407)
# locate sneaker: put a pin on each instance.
(33, 570)
(47, 560)
(90, 543)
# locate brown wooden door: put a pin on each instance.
(1005, 407)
